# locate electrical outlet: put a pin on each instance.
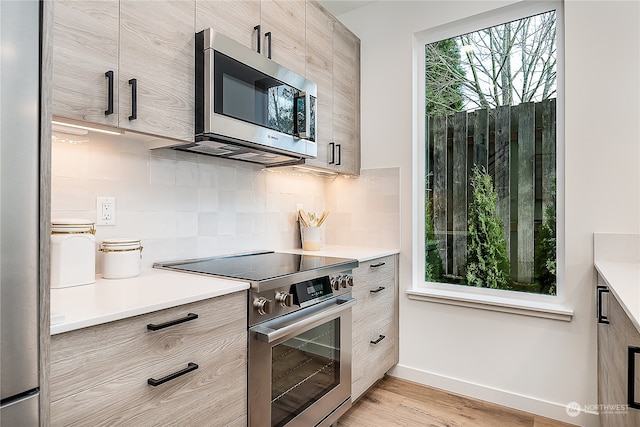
(106, 211)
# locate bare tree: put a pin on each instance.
(511, 63)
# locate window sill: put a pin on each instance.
(493, 303)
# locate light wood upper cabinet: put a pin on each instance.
(150, 44)
(157, 50)
(94, 37)
(85, 47)
(285, 20)
(346, 101)
(319, 64)
(333, 62)
(233, 18)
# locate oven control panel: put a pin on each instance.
(271, 304)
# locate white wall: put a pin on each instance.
(533, 364)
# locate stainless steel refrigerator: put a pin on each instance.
(19, 212)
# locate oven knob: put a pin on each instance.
(285, 299)
(343, 281)
(349, 279)
(335, 283)
(263, 305)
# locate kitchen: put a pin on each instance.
(266, 202)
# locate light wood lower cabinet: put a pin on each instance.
(100, 375)
(375, 322)
(615, 367)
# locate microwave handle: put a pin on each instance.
(270, 335)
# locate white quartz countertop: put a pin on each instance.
(154, 289)
(360, 253)
(617, 260)
(114, 299)
(623, 280)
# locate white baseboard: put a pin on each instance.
(557, 411)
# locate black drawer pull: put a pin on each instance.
(257, 28)
(188, 317)
(631, 378)
(190, 367)
(601, 317)
(109, 110)
(375, 291)
(380, 264)
(267, 36)
(380, 338)
(134, 99)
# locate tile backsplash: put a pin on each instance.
(185, 205)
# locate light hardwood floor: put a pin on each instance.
(395, 402)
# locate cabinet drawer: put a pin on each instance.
(214, 391)
(374, 271)
(373, 360)
(86, 357)
(373, 309)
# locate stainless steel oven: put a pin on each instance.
(299, 333)
(300, 365)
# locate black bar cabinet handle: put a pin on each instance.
(380, 338)
(375, 291)
(257, 28)
(109, 110)
(267, 36)
(134, 99)
(190, 367)
(631, 378)
(339, 147)
(188, 317)
(601, 317)
(380, 264)
(333, 153)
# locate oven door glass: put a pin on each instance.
(249, 95)
(304, 368)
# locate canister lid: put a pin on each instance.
(120, 244)
(71, 226)
(121, 241)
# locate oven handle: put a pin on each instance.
(270, 335)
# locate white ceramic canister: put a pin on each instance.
(73, 252)
(121, 258)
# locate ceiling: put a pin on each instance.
(338, 7)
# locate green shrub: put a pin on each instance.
(487, 261)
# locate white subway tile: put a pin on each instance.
(162, 171)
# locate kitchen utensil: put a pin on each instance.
(304, 218)
(324, 216)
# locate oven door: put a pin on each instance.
(300, 366)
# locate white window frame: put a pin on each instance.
(546, 306)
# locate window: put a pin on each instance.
(489, 197)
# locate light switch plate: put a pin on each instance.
(106, 211)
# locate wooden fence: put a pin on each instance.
(517, 146)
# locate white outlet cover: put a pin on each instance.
(106, 211)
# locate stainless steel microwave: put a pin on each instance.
(250, 108)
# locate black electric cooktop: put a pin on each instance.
(259, 266)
